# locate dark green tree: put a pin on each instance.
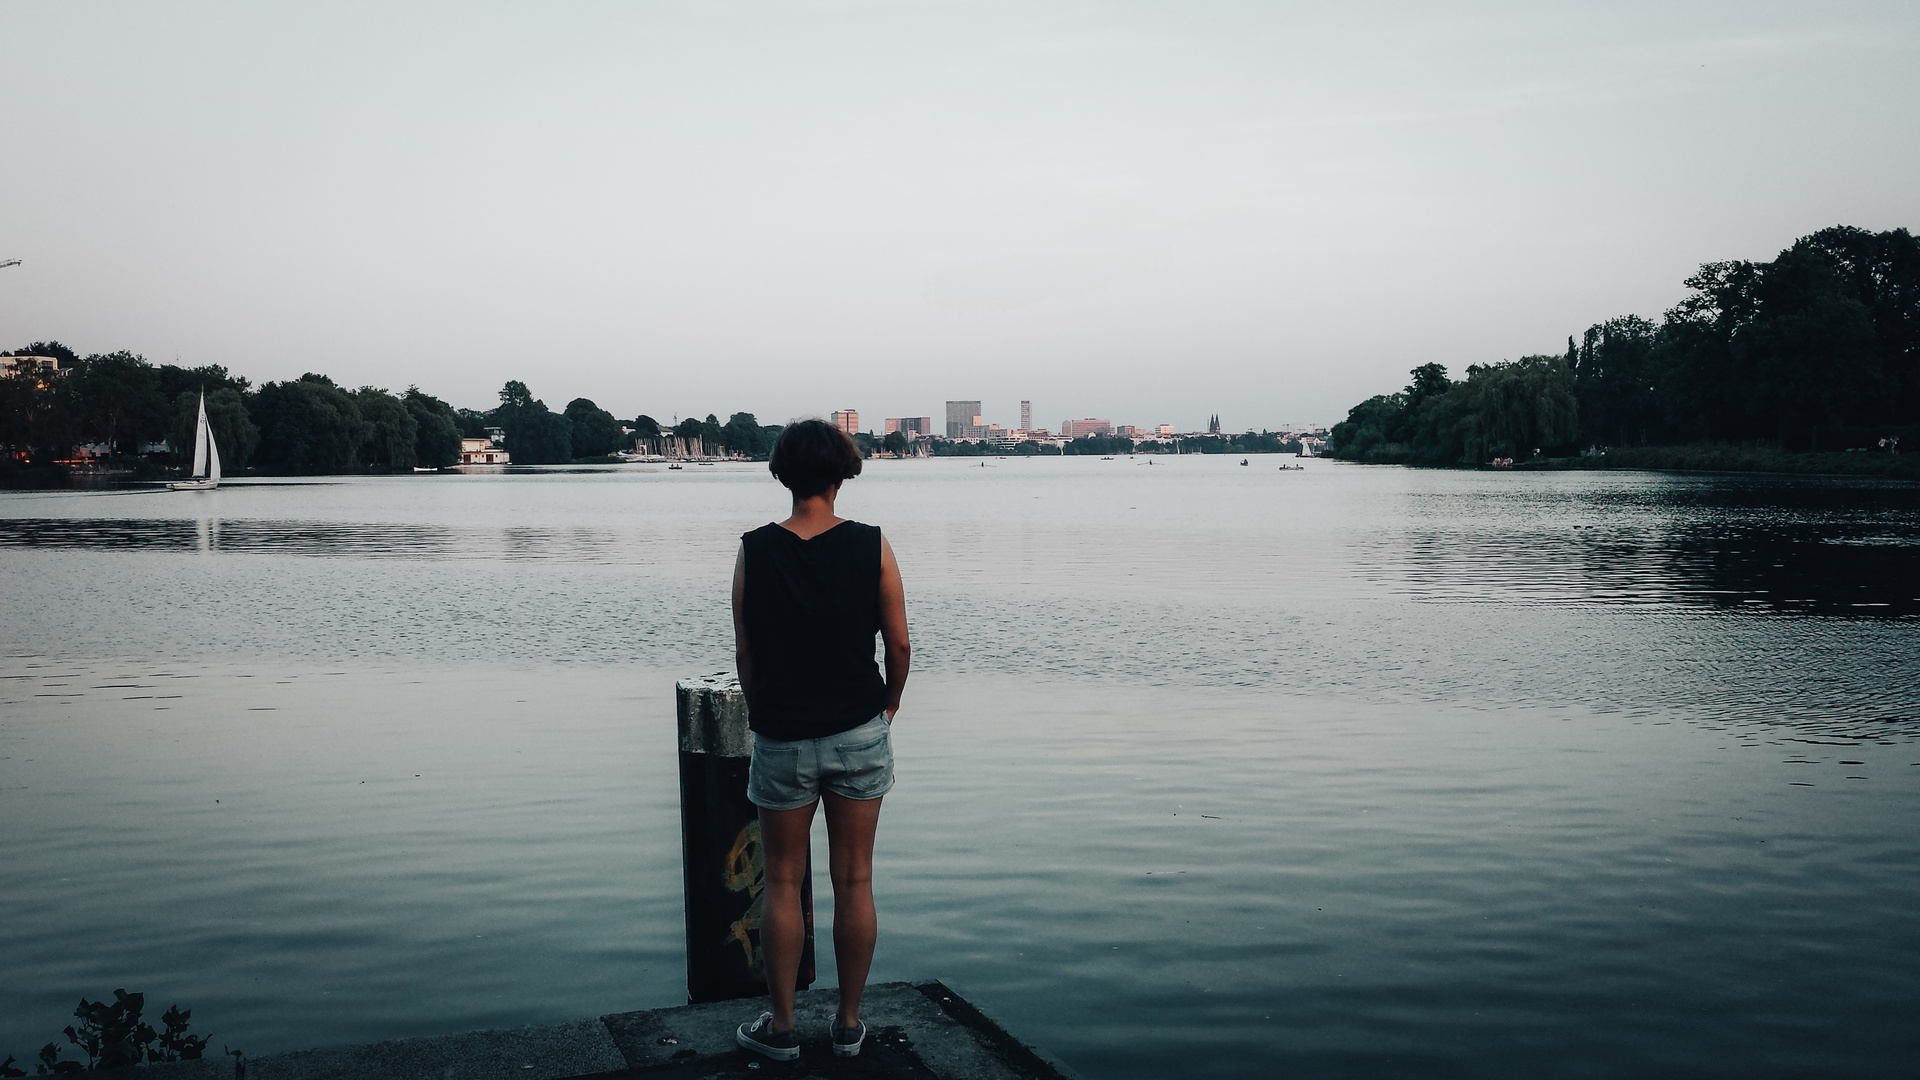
(1614, 379)
(897, 444)
(1882, 272)
(473, 423)
(116, 400)
(234, 431)
(1367, 432)
(1809, 353)
(308, 425)
(437, 431)
(37, 415)
(66, 356)
(595, 431)
(391, 430)
(535, 435)
(176, 380)
(744, 434)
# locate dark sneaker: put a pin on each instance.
(847, 1040)
(760, 1037)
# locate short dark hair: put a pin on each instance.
(811, 456)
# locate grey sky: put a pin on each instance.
(1147, 213)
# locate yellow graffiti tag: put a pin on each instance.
(747, 870)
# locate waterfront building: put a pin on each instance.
(45, 365)
(1165, 431)
(964, 420)
(1026, 416)
(482, 452)
(1074, 429)
(918, 427)
(847, 420)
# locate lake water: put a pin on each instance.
(1205, 770)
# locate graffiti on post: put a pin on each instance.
(747, 872)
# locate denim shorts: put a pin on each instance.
(854, 764)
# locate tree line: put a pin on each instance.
(122, 402)
(1818, 349)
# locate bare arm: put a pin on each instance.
(893, 626)
(742, 656)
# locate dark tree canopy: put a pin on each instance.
(1819, 347)
(595, 431)
(176, 380)
(233, 428)
(743, 434)
(115, 399)
(1509, 409)
(473, 423)
(437, 432)
(391, 430)
(535, 435)
(308, 425)
(66, 356)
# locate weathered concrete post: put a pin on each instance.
(722, 859)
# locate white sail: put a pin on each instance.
(201, 436)
(213, 448)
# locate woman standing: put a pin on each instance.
(809, 593)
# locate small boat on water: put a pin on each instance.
(675, 467)
(206, 457)
(1243, 461)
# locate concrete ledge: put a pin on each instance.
(924, 1030)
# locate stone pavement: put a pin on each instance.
(922, 1031)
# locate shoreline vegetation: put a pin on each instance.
(1806, 364)
(114, 416)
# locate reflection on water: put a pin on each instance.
(362, 540)
(1818, 549)
(1205, 771)
(1810, 569)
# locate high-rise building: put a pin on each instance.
(1026, 416)
(914, 426)
(1074, 429)
(847, 420)
(964, 420)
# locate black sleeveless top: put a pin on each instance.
(812, 608)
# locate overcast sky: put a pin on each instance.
(1142, 212)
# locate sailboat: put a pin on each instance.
(206, 457)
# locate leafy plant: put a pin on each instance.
(114, 1036)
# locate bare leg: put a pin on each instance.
(851, 824)
(784, 838)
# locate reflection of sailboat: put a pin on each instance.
(206, 457)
